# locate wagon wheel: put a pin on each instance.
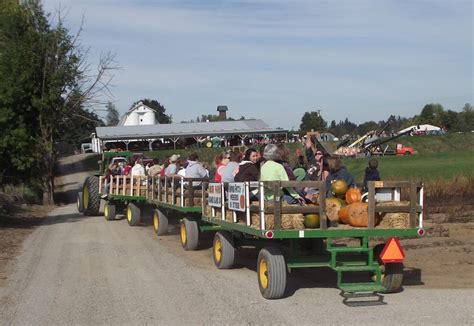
(392, 273)
(223, 250)
(90, 196)
(189, 234)
(133, 214)
(80, 203)
(160, 222)
(271, 272)
(109, 212)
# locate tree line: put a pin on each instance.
(434, 114)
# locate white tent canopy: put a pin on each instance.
(425, 127)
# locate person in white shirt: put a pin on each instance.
(138, 168)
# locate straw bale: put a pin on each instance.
(393, 220)
(288, 221)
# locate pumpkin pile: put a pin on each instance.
(347, 207)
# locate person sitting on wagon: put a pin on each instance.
(284, 155)
(194, 169)
(248, 171)
(112, 171)
(172, 168)
(337, 171)
(232, 168)
(155, 170)
(219, 162)
(127, 168)
(271, 170)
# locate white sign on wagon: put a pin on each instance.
(236, 197)
(214, 196)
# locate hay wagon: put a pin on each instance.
(248, 218)
(140, 197)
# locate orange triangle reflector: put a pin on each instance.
(392, 252)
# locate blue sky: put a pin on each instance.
(275, 60)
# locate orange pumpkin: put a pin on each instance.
(344, 215)
(353, 195)
(339, 188)
(358, 214)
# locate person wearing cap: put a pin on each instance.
(172, 168)
(273, 171)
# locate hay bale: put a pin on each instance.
(393, 220)
(288, 221)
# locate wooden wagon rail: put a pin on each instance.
(163, 189)
(275, 205)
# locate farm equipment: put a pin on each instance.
(375, 148)
(371, 144)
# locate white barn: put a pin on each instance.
(138, 115)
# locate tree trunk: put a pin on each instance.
(48, 189)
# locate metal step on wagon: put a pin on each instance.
(254, 214)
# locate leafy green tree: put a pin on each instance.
(45, 83)
(113, 116)
(431, 114)
(312, 120)
(466, 118)
(160, 111)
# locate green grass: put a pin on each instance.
(423, 167)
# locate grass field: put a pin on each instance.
(444, 165)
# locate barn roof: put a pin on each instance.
(217, 128)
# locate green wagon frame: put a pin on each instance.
(281, 249)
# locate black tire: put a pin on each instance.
(392, 273)
(271, 273)
(80, 203)
(160, 222)
(133, 214)
(223, 250)
(407, 153)
(90, 196)
(189, 234)
(110, 212)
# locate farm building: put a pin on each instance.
(138, 115)
(141, 136)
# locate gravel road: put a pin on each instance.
(84, 270)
